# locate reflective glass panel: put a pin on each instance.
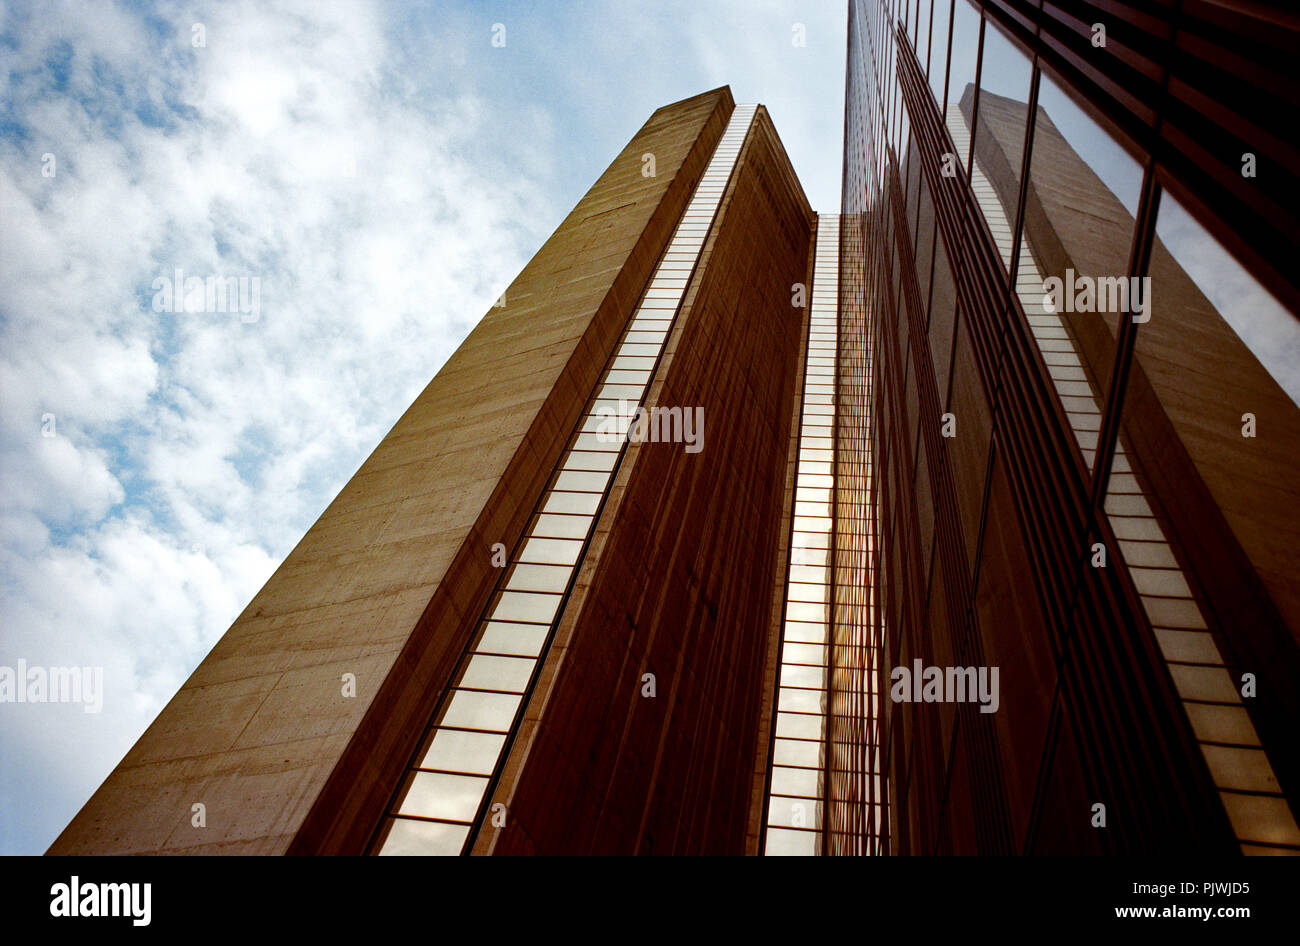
(1005, 78)
(439, 795)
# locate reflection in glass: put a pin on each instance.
(633, 377)
(938, 50)
(924, 237)
(913, 191)
(439, 795)
(1005, 78)
(551, 552)
(921, 40)
(943, 316)
(644, 337)
(803, 654)
(581, 504)
(561, 527)
(474, 709)
(903, 144)
(606, 439)
(1078, 230)
(801, 701)
(812, 540)
(805, 632)
(803, 676)
(805, 611)
(551, 578)
(625, 363)
(489, 672)
(582, 481)
(798, 725)
(798, 752)
(809, 523)
(527, 606)
(523, 639)
(782, 842)
(459, 750)
(960, 99)
(806, 591)
(1204, 346)
(603, 461)
(793, 781)
(1266, 327)
(631, 392)
(407, 837)
(500, 637)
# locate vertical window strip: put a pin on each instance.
(449, 780)
(854, 788)
(797, 793)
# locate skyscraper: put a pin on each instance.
(933, 526)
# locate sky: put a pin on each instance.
(381, 170)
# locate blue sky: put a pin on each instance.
(383, 171)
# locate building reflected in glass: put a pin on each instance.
(1072, 483)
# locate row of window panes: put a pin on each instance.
(794, 816)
